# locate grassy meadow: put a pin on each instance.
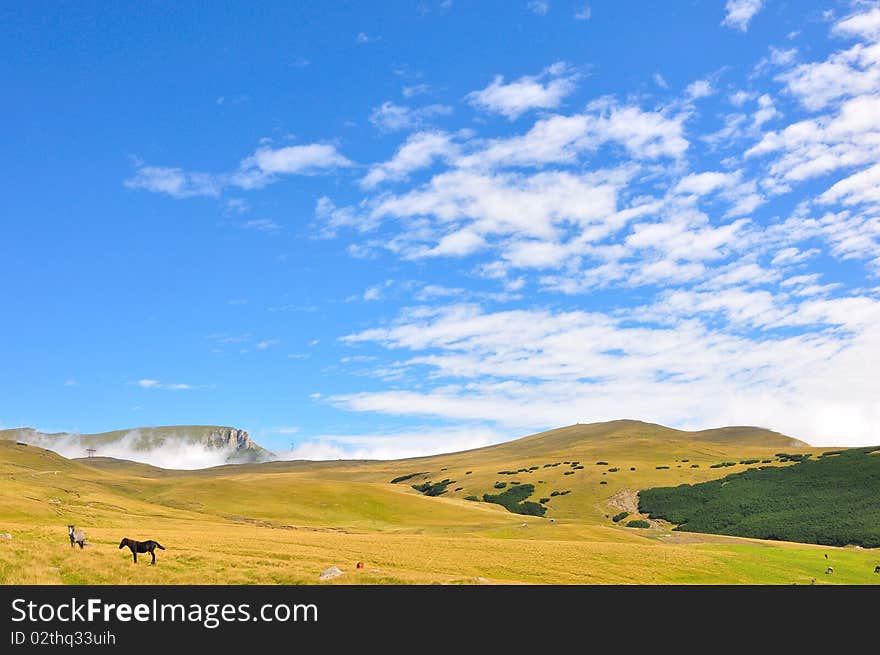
(285, 522)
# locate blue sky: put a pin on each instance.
(404, 228)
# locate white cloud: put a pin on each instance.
(539, 7)
(267, 343)
(331, 218)
(170, 452)
(844, 74)
(660, 81)
(394, 445)
(391, 117)
(262, 225)
(739, 13)
(413, 90)
(290, 160)
(791, 255)
(544, 91)
(699, 89)
(534, 369)
(175, 182)
(419, 151)
(507, 203)
(147, 383)
(254, 172)
(585, 12)
(861, 187)
(865, 24)
(456, 244)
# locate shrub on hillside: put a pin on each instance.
(661, 467)
(500, 485)
(638, 523)
(514, 500)
(619, 517)
(833, 501)
(601, 463)
(408, 476)
(433, 488)
(613, 470)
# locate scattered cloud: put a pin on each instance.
(391, 117)
(584, 12)
(544, 91)
(394, 444)
(148, 383)
(263, 167)
(262, 225)
(174, 182)
(419, 151)
(538, 7)
(739, 13)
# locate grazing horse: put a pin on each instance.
(136, 547)
(76, 536)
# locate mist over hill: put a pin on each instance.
(173, 447)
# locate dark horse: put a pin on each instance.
(141, 547)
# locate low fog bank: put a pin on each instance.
(169, 452)
(400, 445)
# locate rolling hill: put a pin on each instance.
(286, 521)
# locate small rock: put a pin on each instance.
(329, 574)
(480, 580)
(524, 525)
(5, 535)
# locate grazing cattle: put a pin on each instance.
(877, 569)
(359, 565)
(826, 555)
(136, 547)
(76, 536)
(830, 569)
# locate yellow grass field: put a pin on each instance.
(286, 522)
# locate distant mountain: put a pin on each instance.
(174, 446)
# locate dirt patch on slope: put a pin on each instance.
(627, 500)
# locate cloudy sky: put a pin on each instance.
(416, 227)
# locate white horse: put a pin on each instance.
(76, 536)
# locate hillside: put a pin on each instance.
(177, 446)
(832, 500)
(285, 522)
